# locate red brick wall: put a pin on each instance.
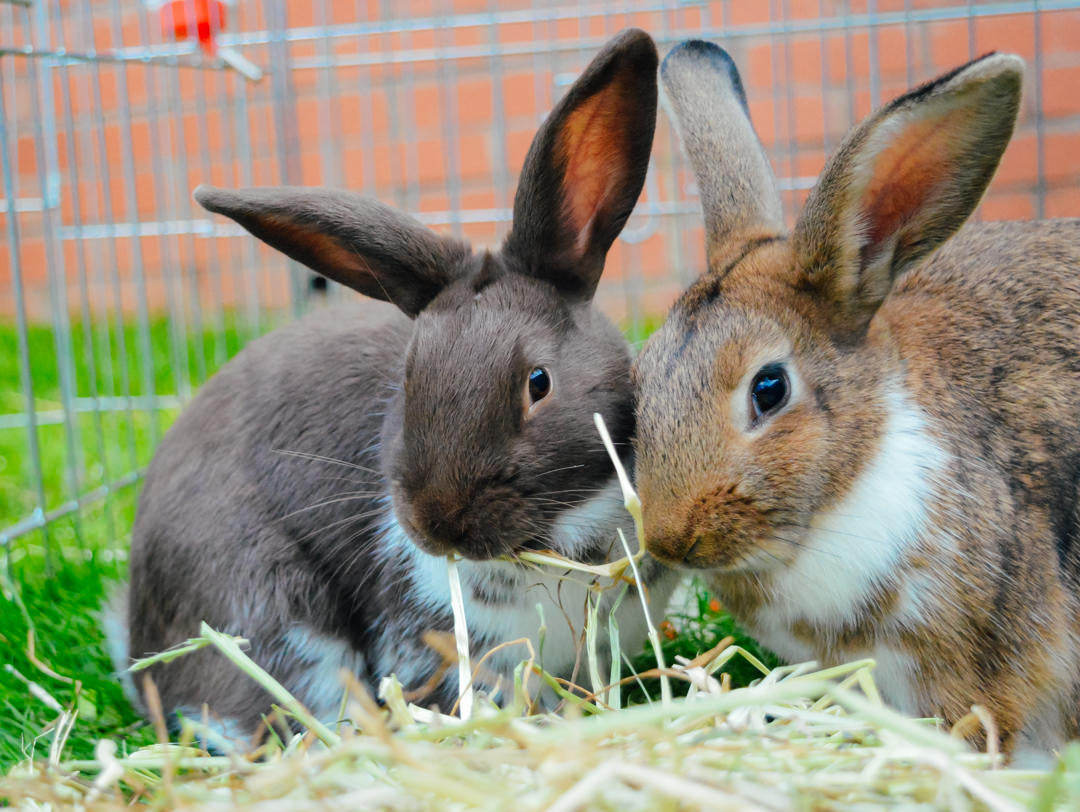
(436, 117)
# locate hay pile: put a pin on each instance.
(800, 738)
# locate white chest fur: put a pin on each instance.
(853, 549)
(562, 596)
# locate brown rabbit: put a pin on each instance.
(308, 495)
(873, 446)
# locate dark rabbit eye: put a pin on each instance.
(769, 390)
(539, 384)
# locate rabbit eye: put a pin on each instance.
(539, 384)
(769, 390)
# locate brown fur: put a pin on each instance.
(980, 341)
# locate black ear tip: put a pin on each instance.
(697, 57)
(633, 44)
(700, 50)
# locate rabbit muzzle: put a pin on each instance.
(721, 529)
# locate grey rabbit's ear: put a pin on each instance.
(351, 239)
(708, 104)
(586, 167)
(902, 182)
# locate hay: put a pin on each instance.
(800, 737)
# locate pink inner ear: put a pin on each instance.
(908, 173)
(593, 143)
(318, 250)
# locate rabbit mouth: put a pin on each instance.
(724, 552)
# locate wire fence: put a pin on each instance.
(118, 296)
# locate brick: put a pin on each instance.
(474, 102)
(949, 46)
(759, 67)
(1014, 33)
(510, 33)
(481, 235)
(426, 108)
(433, 202)
(762, 115)
(1007, 206)
(1063, 201)
(431, 161)
(746, 12)
(519, 95)
(1061, 91)
(474, 156)
(312, 170)
(517, 145)
(809, 120)
(1062, 156)
(352, 164)
(805, 65)
(892, 51)
(1060, 31)
(1019, 163)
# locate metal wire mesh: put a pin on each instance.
(120, 297)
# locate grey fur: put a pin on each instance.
(277, 505)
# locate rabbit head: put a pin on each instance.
(489, 438)
(762, 396)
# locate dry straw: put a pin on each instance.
(800, 737)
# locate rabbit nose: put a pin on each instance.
(436, 523)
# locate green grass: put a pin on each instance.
(53, 584)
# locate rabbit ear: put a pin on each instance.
(736, 184)
(358, 242)
(903, 181)
(585, 168)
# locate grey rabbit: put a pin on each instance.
(307, 497)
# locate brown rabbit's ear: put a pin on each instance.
(707, 101)
(903, 181)
(358, 242)
(585, 168)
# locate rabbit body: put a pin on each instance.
(325, 578)
(308, 496)
(873, 449)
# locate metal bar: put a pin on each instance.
(85, 310)
(99, 251)
(391, 25)
(288, 140)
(736, 30)
(499, 160)
(1040, 120)
(241, 134)
(114, 259)
(443, 217)
(25, 377)
(213, 273)
(171, 269)
(448, 82)
(85, 405)
(43, 110)
(40, 519)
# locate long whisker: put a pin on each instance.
(320, 458)
(564, 468)
(344, 497)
